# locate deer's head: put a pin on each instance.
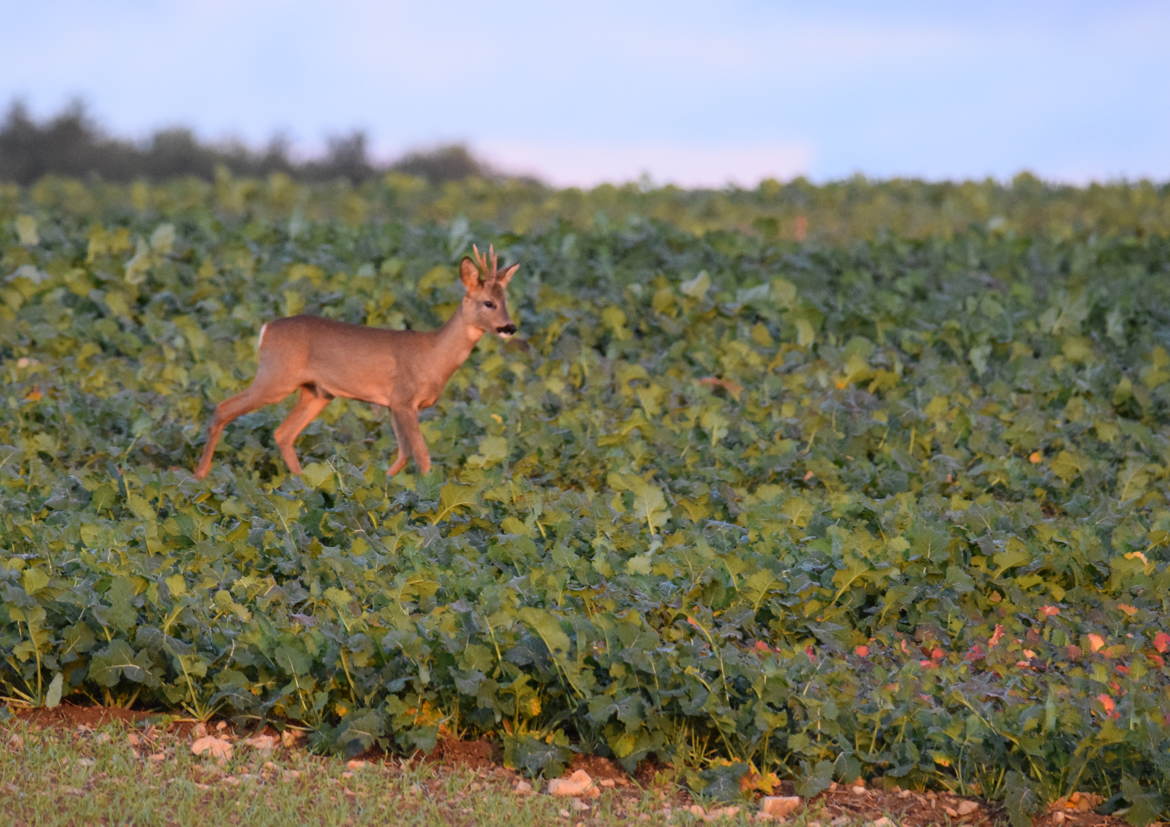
(484, 302)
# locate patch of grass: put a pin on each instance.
(143, 775)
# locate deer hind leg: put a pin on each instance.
(403, 451)
(305, 411)
(256, 396)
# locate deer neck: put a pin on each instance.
(453, 343)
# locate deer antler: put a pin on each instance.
(480, 261)
(487, 265)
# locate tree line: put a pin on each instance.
(71, 143)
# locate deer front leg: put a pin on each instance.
(409, 436)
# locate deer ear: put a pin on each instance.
(469, 274)
(506, 276)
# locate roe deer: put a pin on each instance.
(405, 370)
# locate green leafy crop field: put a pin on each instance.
(863, 480)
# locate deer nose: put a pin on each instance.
(507, 329)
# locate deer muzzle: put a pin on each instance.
(506, 331)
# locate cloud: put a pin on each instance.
(583, 164)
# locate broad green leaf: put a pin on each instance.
(979, 356)
(292, 657)
(53, 694)
(294, 302)
(533, 756)
(615, 319)
(492, 450)
(715, 424)
(26, 231)
(452, 496)
(783, 292)
(435, 278)
(360, 730)
(748, 295)
(639, 564)
(806, 334)
(798, 510)
(115, 661)
(1145, 803)
(815, 779)
(140, 507)
(162, 240)
(1014, 554)
(1067, 465)
(1157, 372)
(317, 475)
(548, 627)
(697, 287)
(121, 613)
(663, 301)
(721, 781)
(34, 579)
(650, 503)
(1078, 349)
(1115, 326)
(1020, 799)
(338, 597)
(138, 265)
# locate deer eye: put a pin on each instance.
(490, 305)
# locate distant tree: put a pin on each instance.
(69, 140)
(71, 143)
(175, 152)
(275, 157)
(450, 162)
(19, 158)
(347, 157)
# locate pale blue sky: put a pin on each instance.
(697, 93)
